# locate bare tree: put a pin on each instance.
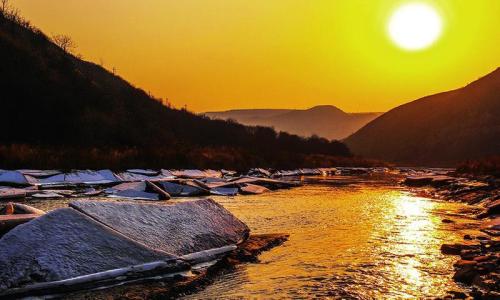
(4, 5)
(64, 41)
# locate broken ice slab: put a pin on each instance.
(139, 190)
(39, 173)
(14, 178)
(179, 189)
(224, 191)
(86, 177)
(136, 195)
(180, 228)
(142, 175)
(147, 172)
(196, 174)
(47, 195)
(65, 244)
(259, 172)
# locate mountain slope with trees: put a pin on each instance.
(60, 111)
(438, 130)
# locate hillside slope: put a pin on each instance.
(441, 129)
(53, 101)
(326, 120)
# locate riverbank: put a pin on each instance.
(479, 263)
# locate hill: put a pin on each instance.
(58, 111)
(436, 130)
(326, 120)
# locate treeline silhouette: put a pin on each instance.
(60, 111)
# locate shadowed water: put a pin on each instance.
(349, 238)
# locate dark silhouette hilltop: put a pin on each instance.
(326, 120)
(441, 129)
(60, 111)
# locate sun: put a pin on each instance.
(415, 26)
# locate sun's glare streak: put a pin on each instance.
(415, 26)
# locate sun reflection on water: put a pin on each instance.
(361, 242)
(415, 227)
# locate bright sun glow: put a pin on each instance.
(415, 26)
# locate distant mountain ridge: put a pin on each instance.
(441, 129)
(325, 121)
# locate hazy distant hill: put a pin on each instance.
(325, 121)
(441, 129)
(56, 104)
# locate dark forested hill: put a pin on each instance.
(58, 107)
(441, 129)
(326, 120)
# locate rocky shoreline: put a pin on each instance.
(479, 256)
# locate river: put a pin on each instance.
(360, 239)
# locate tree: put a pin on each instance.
(64, 41)
(4, 5)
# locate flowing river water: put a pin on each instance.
(361, 239)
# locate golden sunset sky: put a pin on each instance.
(224, 54)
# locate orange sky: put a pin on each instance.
(222, 54)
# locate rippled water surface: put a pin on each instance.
(364, 240)
(359, 241)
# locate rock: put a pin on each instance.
(417, 181)
(12, 193)
(447, 221)
(455, 249)
(441, 180)
(482, 258)
(457, 294)
(64, 244)
(9, 209)
(14, 214)
(256, 244)
(468, 237)
(431, 180)
(181, 228)
(463, 263)
(491, 227)
(493, 208)
(253, 189)
(485, 267)
(465, 274)
(19, 208)
(469, 254)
